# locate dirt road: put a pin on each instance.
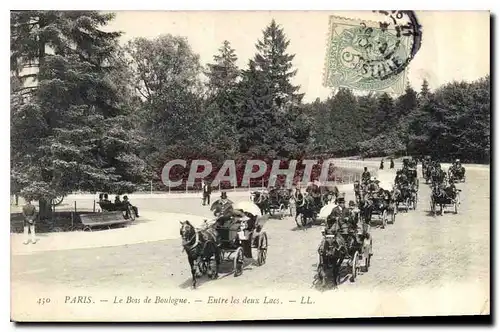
(418, 250)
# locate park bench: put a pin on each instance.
(107, 218)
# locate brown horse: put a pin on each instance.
(200, 247)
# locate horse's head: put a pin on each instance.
(187, 232)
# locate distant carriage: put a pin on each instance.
(279, 202)
(406, 197)
(442, 198)
(457, 173)
(378, 207)
(306, 209)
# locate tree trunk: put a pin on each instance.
(45, 209)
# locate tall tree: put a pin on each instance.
(223, 74)
(273, 59)
(71, 131)
(267, 99)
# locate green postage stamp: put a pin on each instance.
(367, 55)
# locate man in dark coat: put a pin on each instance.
(134, 208)
(365, 177)
(29, 216)
(392, 163)
(207, 191)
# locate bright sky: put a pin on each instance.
(455, 46)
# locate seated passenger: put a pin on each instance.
(134, 208)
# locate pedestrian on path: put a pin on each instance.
(29, 215)
(207, 191)
(392, 163)
(382, 164)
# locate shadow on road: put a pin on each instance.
(226, 269)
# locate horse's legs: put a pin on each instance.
(217, 260)
(193, 270)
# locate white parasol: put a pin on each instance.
(248, 207)
(326, 210)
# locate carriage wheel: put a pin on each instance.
(58, 200)
(262, 249)
(355, 266)
(384, 218)
(238, 262)
(282, 211)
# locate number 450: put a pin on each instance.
(43, 300)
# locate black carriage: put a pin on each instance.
(306, 209)
(236, 240)
(444, 201)
(457, 173)
(407, 197)
(378, 206)
(357, 255)
(279, 203)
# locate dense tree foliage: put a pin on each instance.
(70, 129)
(92, 115)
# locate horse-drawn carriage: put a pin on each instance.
(279, 202)
(352, 246)
(444, 197)
(308, 204)
(457, 173)
(275, 202)
(237, 237)
(410, 170)
(230, 237)
(405, 195)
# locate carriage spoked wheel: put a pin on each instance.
(355, 266)
(238, 262)
(262, 249)
(282, 210)
(384, 218)
(57, 201)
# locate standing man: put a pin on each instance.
(29, 215)
(365, 177)
(392, 163)
(382, 164)
(207, 190)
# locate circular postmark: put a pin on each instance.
(388, 50)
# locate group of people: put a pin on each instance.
(346, 221)
(104, 198)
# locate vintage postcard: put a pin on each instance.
(178, 166)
